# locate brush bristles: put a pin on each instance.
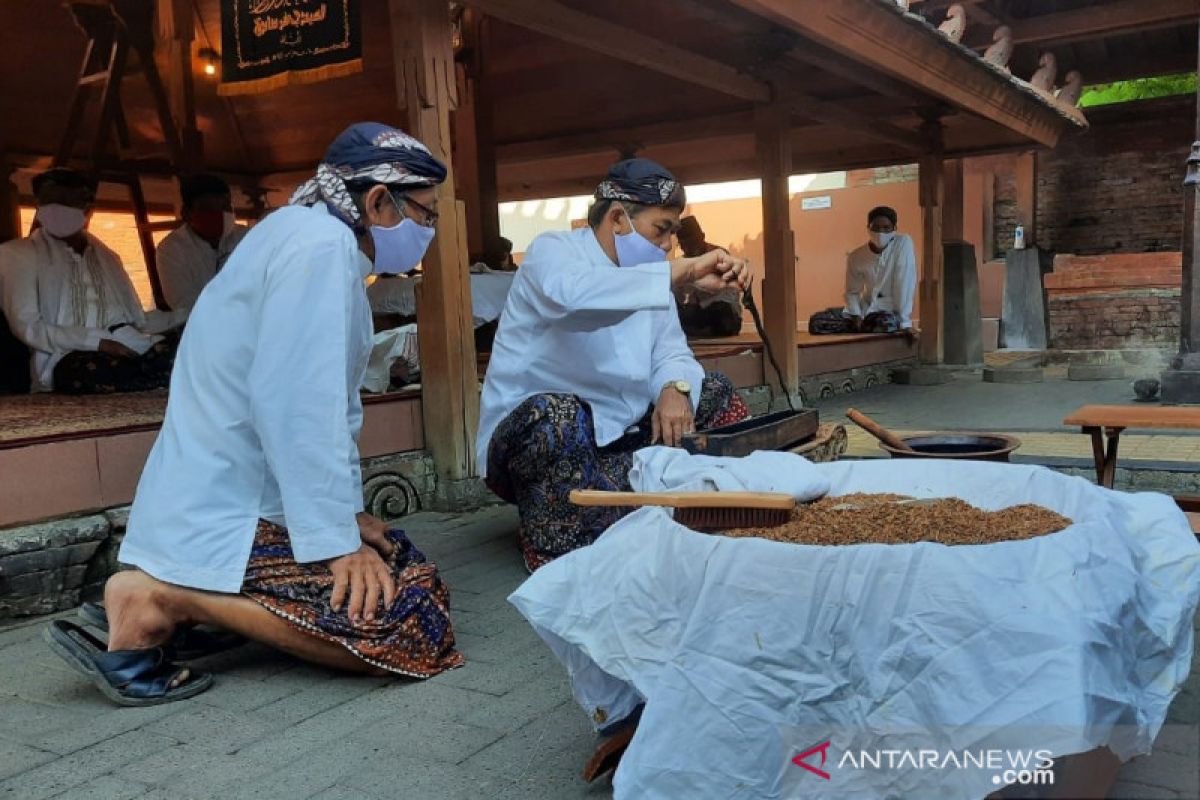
(721, 519)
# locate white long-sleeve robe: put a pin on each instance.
(576, 323)
(55, 304)
(883, 282)
(186, 262)
(264, 411)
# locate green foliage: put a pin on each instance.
(1105, 94)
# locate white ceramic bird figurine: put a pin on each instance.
(1043, 79)
(955, 24)
(1072, 90)
(1001, 49)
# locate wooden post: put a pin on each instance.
(953, 229)
(989, 218)
(10, 201)
(931, 190)
(175, 33)
(773, 144)
(425, 85)
(475, 140)
(1027, 197)
(1181, 383)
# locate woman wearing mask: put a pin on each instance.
(881, 278)
(590, 362)
(248, 516)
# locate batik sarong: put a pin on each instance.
(82, 372)
(413, 636)
(547, 446)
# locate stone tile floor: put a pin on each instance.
(503, 727)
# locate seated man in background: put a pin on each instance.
(193, 253)
(705, 314)
(393, 300)
(881, 278)
(69, 299)
(590, 363)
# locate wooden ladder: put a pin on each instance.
(116, 30)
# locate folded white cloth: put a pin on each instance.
(134, 339)
(749, 653)
(670, 469)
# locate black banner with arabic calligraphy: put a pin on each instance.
(271, 43)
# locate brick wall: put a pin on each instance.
(1133, 319)
(1123, 301)
(1118, 187)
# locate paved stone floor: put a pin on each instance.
(502, 727)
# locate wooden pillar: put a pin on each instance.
(425, 84)
(175, 34)
(1181, 383)
(10, 201)
(931, 190)
(475, 140)
(1027, 197)
(953, 229)
(773, 145)
(989, 218)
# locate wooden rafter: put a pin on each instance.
(880, 39)
(1099, 21)
(584, 30)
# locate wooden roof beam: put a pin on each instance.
(616, 41)
(1098, 21)
(821, 111)
(880, 39)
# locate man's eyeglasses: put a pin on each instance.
(430, 216)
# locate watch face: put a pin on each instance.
(683, 386)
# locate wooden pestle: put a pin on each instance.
(878, 431)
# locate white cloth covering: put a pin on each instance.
(576, 323)
(883, 282)
(393, 294)
(58, 301)
(264, 410)
(748, 651)
(386, 347)
(670, 469)
(186, 262)
(398, 295)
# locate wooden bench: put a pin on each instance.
(1107, 422)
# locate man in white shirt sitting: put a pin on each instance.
(193, 253)
(881, 278)
(590, 363)
(69, 299)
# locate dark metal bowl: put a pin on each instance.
(964, 446)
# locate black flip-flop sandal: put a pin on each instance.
(127, 677)
(189, 642)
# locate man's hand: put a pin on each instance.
(115, 349)
(373, 531)
(672, 417)
(713, 272)
(366, 579)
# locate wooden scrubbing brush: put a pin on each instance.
(703, 511)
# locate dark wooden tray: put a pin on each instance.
(776, 431)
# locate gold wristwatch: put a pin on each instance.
(683, 387)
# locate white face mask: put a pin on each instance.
(61, 222)
(882, 240)
(634, 249)
(401, 247)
